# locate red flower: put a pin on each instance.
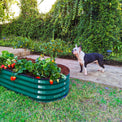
(38, 77)
(9, 65)
(2, 66)
(51, 82)
(5, 67)
(12, 65)
(12, 78)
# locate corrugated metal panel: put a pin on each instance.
(40, 90)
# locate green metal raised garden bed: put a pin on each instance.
(38, 89)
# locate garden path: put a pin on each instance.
(16, 52)
(112, 75)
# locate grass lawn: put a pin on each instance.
(86, 101)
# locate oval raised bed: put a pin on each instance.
(38, 89)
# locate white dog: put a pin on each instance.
(85, 59)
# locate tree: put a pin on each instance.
(4, 11)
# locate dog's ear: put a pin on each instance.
(79, 48)
(76, 46)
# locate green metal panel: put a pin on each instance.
(37, 85)
(9, 73)
(38, 89)
(17, 90)
(33, 90)
(40, 98)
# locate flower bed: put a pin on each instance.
(43, 89)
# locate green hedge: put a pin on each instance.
(94, 24)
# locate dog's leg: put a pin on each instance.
(85, 70)
(81, 66)
(99, 68)
(100, 62)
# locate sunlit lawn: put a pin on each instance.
(86, 101)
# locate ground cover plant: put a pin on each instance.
(86, 101)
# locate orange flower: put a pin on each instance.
(53, 60)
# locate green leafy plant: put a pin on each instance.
(54, 47)
(20, 66)
(46, 68)
(20, 42)
(7, 59)
(51, 69)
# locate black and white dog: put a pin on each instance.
(85, 59)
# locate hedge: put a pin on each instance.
(94, 24)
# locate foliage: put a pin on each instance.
(5, 9)
(16, 42)
(94, 24)
(46, 68)
(21, 42)
(27, 23)
(26, 27)
(3, 14)
(29, 8)
(52, 48)
(55, 47)
(7, 59)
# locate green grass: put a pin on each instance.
(86, 101)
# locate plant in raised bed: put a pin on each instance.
(46, 68)
(40, 69)
(7, 60)
(43, 80)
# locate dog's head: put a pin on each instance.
(76, 50)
